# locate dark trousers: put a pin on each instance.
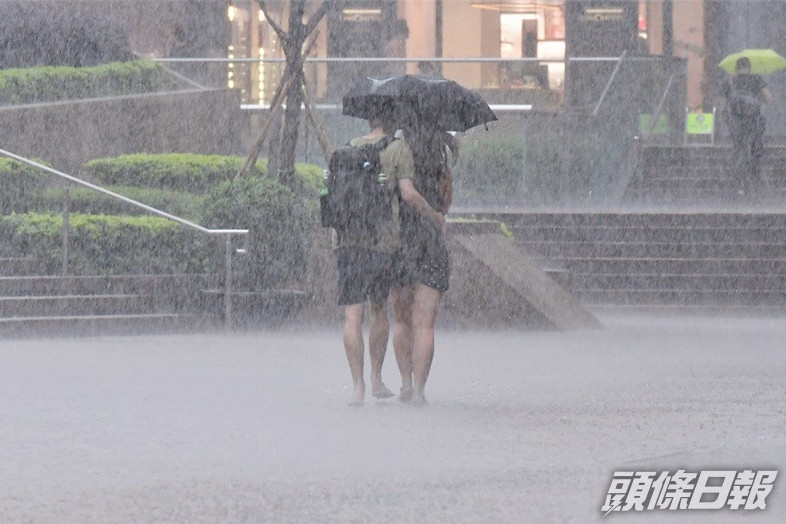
(747, 135)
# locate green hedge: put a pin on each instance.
(555, 164)
(311, 175)
(60, 33)
(19, 185)
(85, 200)
(102, 244)
(175, 171)
(573, 163)
(489, 168)
(52, 83)
(280, 223)
(189, 172)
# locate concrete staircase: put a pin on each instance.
(666, 261)
(699, 175)
(33, 305)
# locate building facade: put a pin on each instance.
(522, 49)
(514, 51)
(523, 44)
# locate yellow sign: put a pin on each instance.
(699, 123)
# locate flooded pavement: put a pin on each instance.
(254, 427)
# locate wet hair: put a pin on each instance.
(431, 149)
(383, 118)
(743, 63)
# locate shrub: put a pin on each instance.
(100, 244)
(49, 33)
(20, 184)
(572, 162)
(489, 168)
(189, 172)
(311, 175)
(175, 171)
(47, 84)
(554, 161)
(86, 200)
(280, 229)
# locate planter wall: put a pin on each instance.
(69, 133)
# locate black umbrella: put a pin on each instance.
(433, 102)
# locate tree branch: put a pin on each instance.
(282, 35)
(318, 124)
(326, 6)
(285, 84)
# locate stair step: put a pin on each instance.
(25, 306)
(551, 249)
(619, 265)
(659, 235)
(101, 284)
(649, 220)
(757, 311)
(684, 175)
(683, 297)
(693, 283)
(92, 325)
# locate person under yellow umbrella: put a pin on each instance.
(763, 61)
(743, 96)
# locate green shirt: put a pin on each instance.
(397, 163)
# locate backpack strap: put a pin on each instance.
(383, 143)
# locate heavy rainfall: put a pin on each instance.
(211, 311)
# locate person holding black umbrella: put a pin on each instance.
(365, 261)
(425, 108)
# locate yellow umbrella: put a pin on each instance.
(763, 61)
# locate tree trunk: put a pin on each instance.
(285, 136)
(289, 137)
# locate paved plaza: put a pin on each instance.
(255, 427)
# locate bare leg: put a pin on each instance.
(353, 345)
(377, 346)
(402, 337)
(424, 317)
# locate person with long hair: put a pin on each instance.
(422, 264)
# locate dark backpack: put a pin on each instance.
(357, 200)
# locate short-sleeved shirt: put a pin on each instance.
(397, 163)
(748, 85)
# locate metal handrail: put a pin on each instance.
(228, 232)
(337, 59)
(609, 83)
(342, 59)
(659, 107)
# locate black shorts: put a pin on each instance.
(422, 259)
(363, 274)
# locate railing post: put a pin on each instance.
(64, 230)
(228, 285)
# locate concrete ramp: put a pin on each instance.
(512, 268)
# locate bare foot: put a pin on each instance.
(419, 400)
(380, 390)
(358, 395)
(405, 395)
